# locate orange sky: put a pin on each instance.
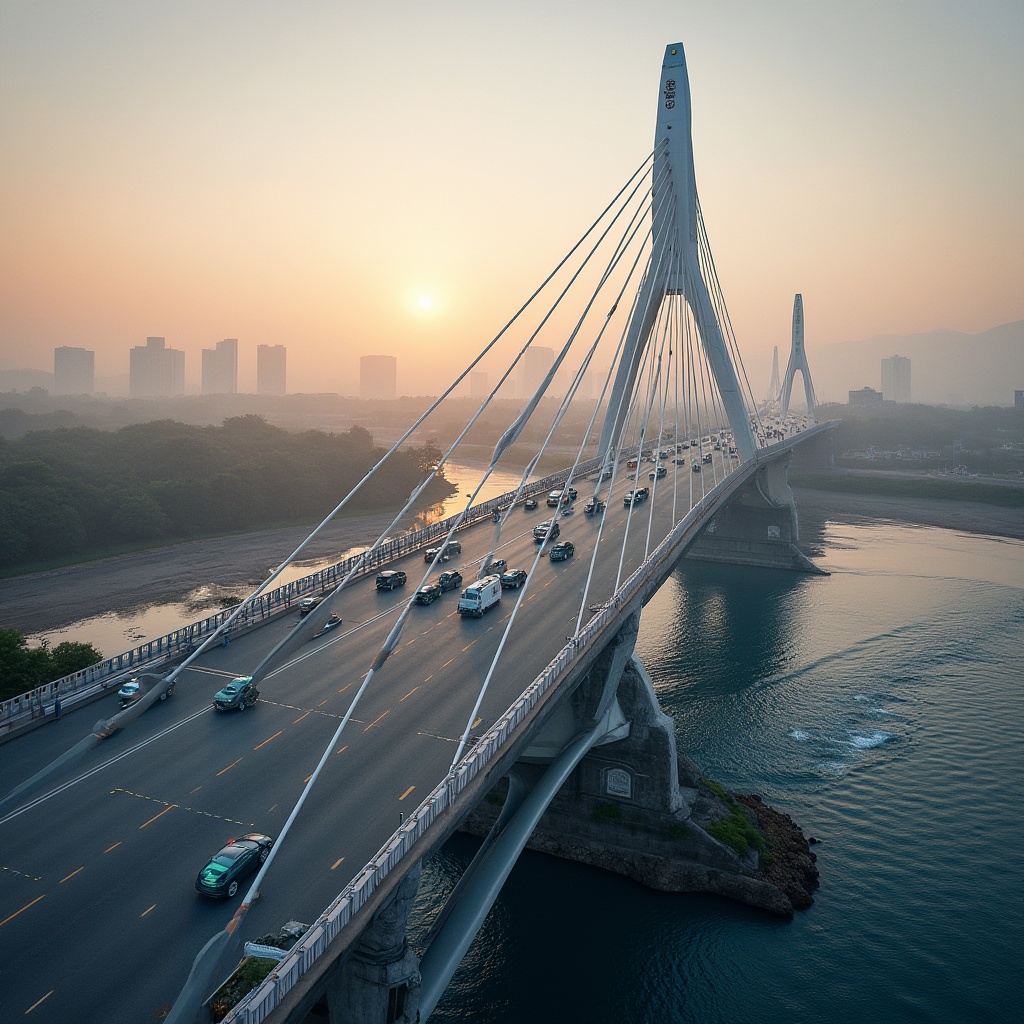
(398, 180)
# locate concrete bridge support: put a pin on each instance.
(380, 982)
(634, 805)
(759, 526)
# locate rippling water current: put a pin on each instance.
(883, 708)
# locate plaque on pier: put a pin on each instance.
(618, 782)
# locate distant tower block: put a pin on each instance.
(797, 361)
(773, 388)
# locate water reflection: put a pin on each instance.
(114, 633)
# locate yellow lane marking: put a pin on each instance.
(476, 723)
(375, 721)
(323, 702)
(22, 911)
(229, 767)
(346, 686)
(447, 663)
(72, 875)
(407, 792)
(410, 693)
(411, 640)
(266, 741)
(337, 862)
(145, 912)
(467, 647)
(342, 750)
(196, 790)
(38, 1001)
(169, 807)
(431, 676)
(114, 847)
(300, 718)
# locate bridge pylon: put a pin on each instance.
(675, 267)
(797, 361)
(774, 387)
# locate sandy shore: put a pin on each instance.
(48, 600)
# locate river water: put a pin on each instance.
(883, 708)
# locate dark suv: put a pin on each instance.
(450, 580)
(390, 578)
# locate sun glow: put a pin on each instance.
(425, 303)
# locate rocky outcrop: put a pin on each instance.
(676, 853)
(793, 867)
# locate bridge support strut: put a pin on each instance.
(380, 982)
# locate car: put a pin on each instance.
(572, 493)
(606, 475)
(431, 553)
(332, 623)
(657, 474)
(390, 578)
(593, 507)
(450, 580)
(498, 566)
(548, 530)
(240, 858)
(513, 579)
(696, 467)
(561, 551)
(530, 504)
(568, 511)
(428, 593)
(239, 694)
(132, 690)
(307, 604)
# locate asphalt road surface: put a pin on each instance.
(99, 918)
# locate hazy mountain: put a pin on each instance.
(946, 367)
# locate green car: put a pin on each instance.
(239, 694)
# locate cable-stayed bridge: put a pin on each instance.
(373, 742)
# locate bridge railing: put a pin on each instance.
(259, 1003)
(16, 712)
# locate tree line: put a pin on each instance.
(73, 493)
(23, 668)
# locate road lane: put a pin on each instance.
(122, 928)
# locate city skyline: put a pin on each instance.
(869, 159)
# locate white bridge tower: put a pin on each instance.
(675, 267)
(797, 361)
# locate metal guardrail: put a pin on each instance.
(17, 712)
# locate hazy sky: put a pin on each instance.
(347, 178)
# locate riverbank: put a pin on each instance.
(48, 600)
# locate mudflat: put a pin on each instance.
(49, 600)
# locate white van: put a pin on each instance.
(480, 596)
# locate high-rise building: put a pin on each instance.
(220, 368)
(478, 384)
(156, 371)
(270, 369)
(73, 371)
(537, 360)
(378, 377)
(896, 379)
